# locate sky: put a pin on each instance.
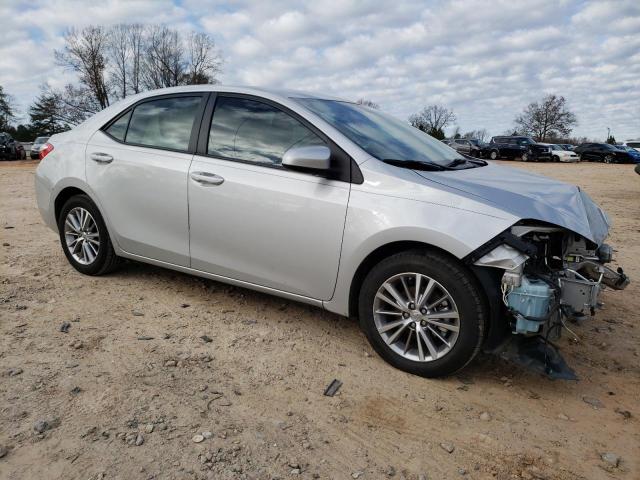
(486, 60)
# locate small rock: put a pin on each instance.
(42, 425)
(197, 438)
(422, 476)
(594, 402)
(562, 416)
(462, 471)
(14, 371)
(139, 440)
(625, 413)
(170, 363)
(207, 435)
(144, 337)
(485, 416)
(64, 328)
(5, 244)
(184, 305)
(295, 471)
(357, 474)
(75, 390)
(206, 339)
(448, 447)
(391, 471)
(77, 344)
(137, 313)
(611, 458)
(149, 428)
(3, 451)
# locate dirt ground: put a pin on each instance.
(153, 358)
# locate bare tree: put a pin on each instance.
(549, 118)
(204, 62)
(164, 62)
(136, 41)
(6, 109)
(480, 134)
(119, 55)
(85, 54)
(433, 120)
(368, 103)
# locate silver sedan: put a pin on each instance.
(330, 203)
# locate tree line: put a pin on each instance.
(112, 63)
(548, 119)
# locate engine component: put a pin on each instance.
(579, 293)
(531, 303)
(605, 253)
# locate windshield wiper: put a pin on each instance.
(462, 161)
(416, 164)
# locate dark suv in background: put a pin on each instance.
(470, 146)
(11, 149)
(512, 147)
(604, 152)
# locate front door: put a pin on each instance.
(137, 167)
(255, 221)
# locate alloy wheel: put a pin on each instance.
(416, 317)
(81, 236)
(608, 159)
(494, 155)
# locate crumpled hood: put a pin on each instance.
(529, 196)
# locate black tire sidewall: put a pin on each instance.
(465, 292)
(98, 264)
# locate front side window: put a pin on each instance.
(380, 135)
(163, 123)
(254, 131)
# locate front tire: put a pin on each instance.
(493, 155)
(423, 313)
(84, 237)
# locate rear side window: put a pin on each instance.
(163, 123)
(257, 132)
(118, 129)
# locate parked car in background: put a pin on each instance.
(603, 152)
(333, 204)
(635, 144)
(631, 151)
(512, 147)
(567, 146)
(560, 154)
(470, 146)
(37, 145)
(10, 149)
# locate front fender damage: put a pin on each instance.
(547, 276)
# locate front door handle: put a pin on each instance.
(207, 178)
(101, 157)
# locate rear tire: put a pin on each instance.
(493, 155)
(442, 350)
(555, 158)
(608, 159)
(84, 237)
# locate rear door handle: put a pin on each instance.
(206, 178)
(101, 157)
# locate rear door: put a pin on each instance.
(255, 221)
(137, 167)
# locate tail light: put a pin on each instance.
(45, 150)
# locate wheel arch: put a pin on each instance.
(64, 195)
(377, 255)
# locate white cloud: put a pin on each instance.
(485, 59)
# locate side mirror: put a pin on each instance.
(313, 158)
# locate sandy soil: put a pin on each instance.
(132, 382)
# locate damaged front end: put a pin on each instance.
(549, 274)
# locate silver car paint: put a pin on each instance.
(455, 211)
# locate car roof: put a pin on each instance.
(249, 90)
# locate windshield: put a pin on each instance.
(40, 140)
(381, 135)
